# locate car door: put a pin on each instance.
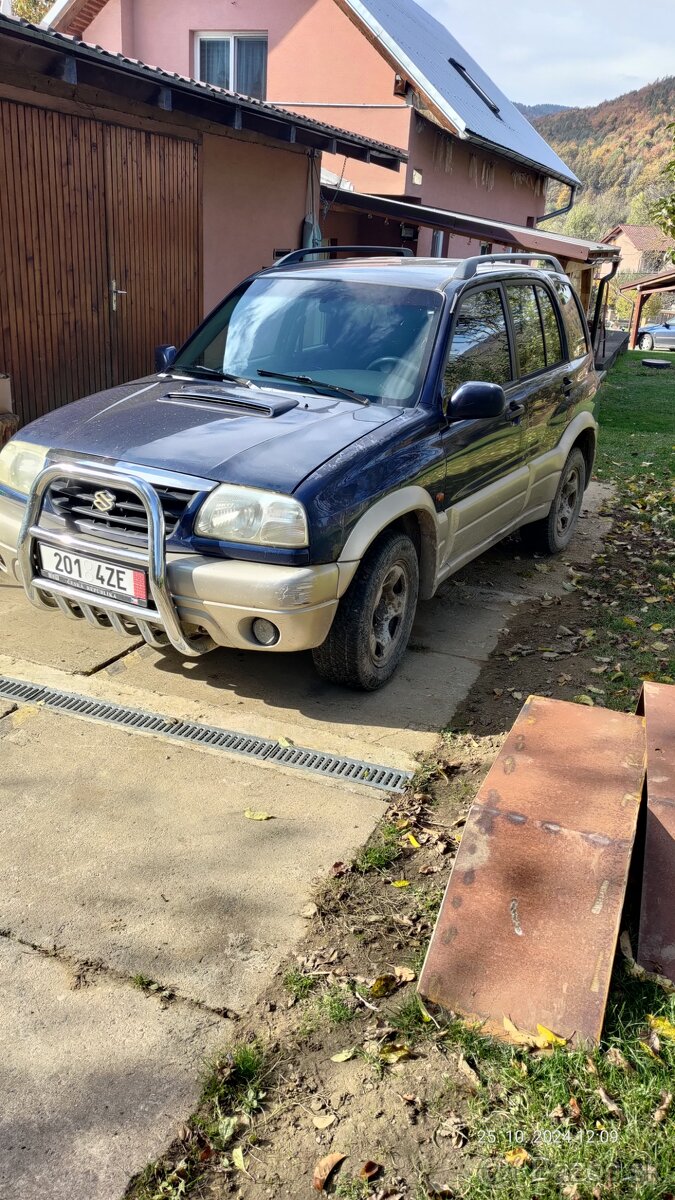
(543, 380)
(664, 336)
(485, 476)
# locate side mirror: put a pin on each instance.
(165, 356)
(476, 401)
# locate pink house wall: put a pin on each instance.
(255, 199)
(316, 53)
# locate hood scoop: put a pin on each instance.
(250, 406)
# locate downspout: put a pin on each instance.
(599, 302)
(559, 212)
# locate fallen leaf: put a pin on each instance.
(430, 869)
(309, 911)
(611, 1105)
(552, 1039)
(205, 1154)
(660, 1114)
(557, 1113)
(468, 1072)
(393, 1052)
(384, 985)
(662, 1027)
(518, 1157)
(413, 841)
(344, 1055)
(584, 699)
(574, 1108)
(400, 883)
(656, 628)
(651, 1044)
(453, 1128)
(323, 1122)
(257, 816)
(285, 742)
(238, 1159)
(539, 1041)
(339, 868)
(324, 1169)
(404, 974)
(660, 646)
(590, 1066)
(616, 1059)
(370, 1170)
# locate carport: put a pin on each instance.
(357, 217)
(664, 282)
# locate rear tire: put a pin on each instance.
(552, 534)
(646, 341)
(372, 625)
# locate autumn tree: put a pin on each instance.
(663, 210)
(30, 10)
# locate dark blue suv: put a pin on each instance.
(333, 441)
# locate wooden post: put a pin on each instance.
(635, 321)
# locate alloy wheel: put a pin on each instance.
(388, 613)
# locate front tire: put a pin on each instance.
(372, 625)
(646, 341)
(554, 532)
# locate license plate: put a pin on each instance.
(94, 575)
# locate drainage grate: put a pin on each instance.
(330, 766)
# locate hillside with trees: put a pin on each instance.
(619, 150)
(532, 111)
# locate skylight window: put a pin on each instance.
(476, 86)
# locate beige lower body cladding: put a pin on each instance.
(530, 919)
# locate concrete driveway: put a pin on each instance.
(125, 856)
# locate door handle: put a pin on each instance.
(115, 292)
(514, 411)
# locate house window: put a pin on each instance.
(237, 62)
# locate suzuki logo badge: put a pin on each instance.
(104, 502)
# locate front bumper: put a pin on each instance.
(197, 602)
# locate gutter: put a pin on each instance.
(560, 212)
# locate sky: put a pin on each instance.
(569, 53)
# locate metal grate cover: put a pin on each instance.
(330, 766)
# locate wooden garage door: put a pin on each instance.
(85, 204)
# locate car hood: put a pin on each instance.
(261, 437)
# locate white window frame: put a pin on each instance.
(224, 35)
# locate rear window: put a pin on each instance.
(527, 327)
(576, 334)
(480, 345)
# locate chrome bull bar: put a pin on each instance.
(119, 615)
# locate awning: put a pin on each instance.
(664, 282)
(484, 229)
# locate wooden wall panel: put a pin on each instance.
(54, 338)
(85, 202)
(154, 244)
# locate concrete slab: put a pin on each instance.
(44, 637)
(95, 1080)
(128, 851)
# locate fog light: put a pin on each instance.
(265, 632)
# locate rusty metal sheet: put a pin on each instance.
(530, 918)
(656, 946)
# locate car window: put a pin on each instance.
(554, 351)
(374, 339)
(480, 345)
(527, 328)
(576, 335)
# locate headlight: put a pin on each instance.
(242, 514)
(20, 462)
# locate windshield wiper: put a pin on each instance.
(213, 373)
(318, 385)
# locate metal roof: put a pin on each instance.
(62, 56)
(485, 229)
(465, 98)
(663, 282)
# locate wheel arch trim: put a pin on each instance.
(408, 501)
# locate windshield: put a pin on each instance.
(369, 339)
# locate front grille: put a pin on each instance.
(126, 520)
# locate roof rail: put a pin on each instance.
(297, 256)
(469, 267)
